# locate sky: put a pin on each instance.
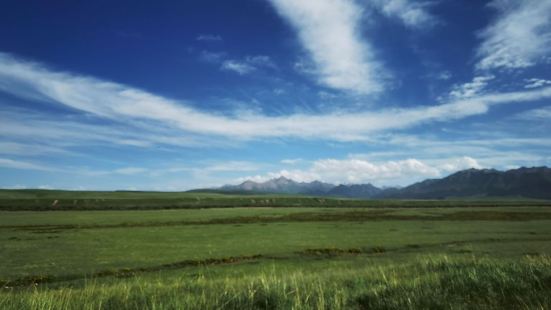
(175, 95)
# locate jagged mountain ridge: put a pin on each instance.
(524, 182)
(282, 185)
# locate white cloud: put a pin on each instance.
(291, 161)
(535, 83)
(29, 149)
(447, 147)
(231, 166)
(305, 66)
(536, 114)
(172, 121)
(198, 169)
(444, 75)
(241, 68)
(248, 65)
(42, 133)
(492, 149)
(212, 57)
(355, 170)
(455, 164)
(471, 89)
(260, 61)
(209, 37)
(411, 13)
(130, 170)
(24, 165)
(519, 38)
(17, 186)
(330, 32)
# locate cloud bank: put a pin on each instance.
(356, 171)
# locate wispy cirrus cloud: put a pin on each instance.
(536, 114)
(411, 13)
(231, 166)
(330, 31)
(126, 105)
(471, 89)
(535, 83)
(24, 165)
(241, 68)
(212, 57)
(44, 133)
(30, 149)
(246, 65)
(520, 37)
(130, 170)
(291, 161)
(209, 37)
(492, 149)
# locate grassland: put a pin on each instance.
(52, 200)
(307, 253)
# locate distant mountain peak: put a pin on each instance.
(533, 182)
(285, 185)
(281, 180)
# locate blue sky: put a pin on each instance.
(173, 95)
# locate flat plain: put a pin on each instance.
(128, 250)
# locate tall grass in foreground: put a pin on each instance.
(427, 283)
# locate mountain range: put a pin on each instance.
(532, 182)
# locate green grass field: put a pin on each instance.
(181, 251)
(55, 200)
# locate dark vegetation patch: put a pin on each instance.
(31, 238)
(46, 200)
(357, 217)
(533, 254)
(125, 272)
(463, 251)
(488, 215)
(45, 231)
(377, 250)
(330, 252)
